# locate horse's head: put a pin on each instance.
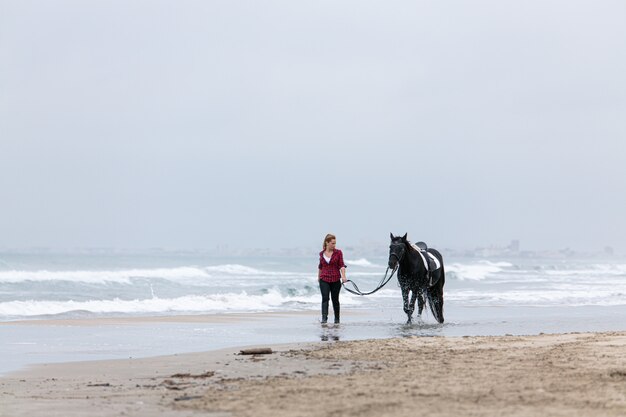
(396, 250)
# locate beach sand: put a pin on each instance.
(577, 374)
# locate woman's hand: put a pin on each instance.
(344, 279)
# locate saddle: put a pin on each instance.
(431, 263)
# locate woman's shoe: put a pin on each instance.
(324, 319)
(336, 321)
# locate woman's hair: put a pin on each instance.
(327, 239)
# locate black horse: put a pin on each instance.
(414, 277)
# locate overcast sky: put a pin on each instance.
(187, 124)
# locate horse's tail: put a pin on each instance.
(434, 302)
(435, 293)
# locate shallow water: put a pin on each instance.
(25, 344)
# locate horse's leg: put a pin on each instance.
(420, 303)
(414, 295)
(405, 299)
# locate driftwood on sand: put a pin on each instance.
(256, 351)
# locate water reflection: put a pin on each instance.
(417, 328)
(371, 329)
(331, 332)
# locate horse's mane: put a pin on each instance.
(412, 246)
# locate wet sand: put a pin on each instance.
(577, 374)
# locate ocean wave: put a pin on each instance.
(272, 300)
(125, 276)
(476, 271)
(365, 274)
(363, 263)
(570, 297)
(121, 276)
(594, 269)
(235, 269)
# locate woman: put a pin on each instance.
(332, 272)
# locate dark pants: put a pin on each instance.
(333, 289)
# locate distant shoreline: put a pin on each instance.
(377, 251)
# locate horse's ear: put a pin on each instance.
(404, 237)
(391, 234)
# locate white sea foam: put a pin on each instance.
(363, 263)
(120, 276)
(365, 274)
(183, 273)
(273, 299)
(476, 271)
(571, 297)
(234, 269)
(589, 270)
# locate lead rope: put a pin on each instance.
(381, 284)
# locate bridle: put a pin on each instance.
(395, 254)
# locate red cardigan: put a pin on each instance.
(330, 271)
